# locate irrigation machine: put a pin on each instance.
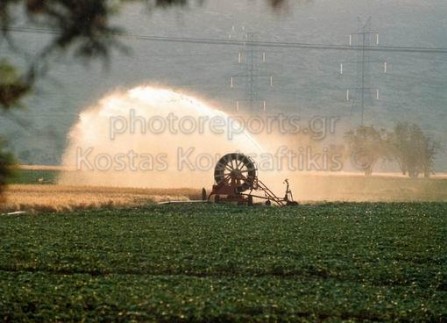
(236, 180)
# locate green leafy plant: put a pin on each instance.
(332, 261)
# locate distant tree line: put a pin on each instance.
(406, 144)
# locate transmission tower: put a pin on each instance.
(362, 41)
(251, 59)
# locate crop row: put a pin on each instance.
(215, 262)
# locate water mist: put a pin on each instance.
(151, 137)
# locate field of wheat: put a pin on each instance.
(41, 198)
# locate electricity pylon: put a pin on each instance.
(251, 59)
(362, 41)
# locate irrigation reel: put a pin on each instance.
(236, 180)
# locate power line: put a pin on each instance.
(232, 42)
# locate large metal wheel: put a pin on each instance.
(235, 170)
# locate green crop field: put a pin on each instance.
(205, 262)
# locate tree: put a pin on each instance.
(413, 150)
(7, 168)
(366, 146)
(12, 86)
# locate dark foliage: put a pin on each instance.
(413, 149)
(406, 144)
(6, 168)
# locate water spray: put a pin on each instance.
(153, 138)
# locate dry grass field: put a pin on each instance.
(377, 188)
(40, 198)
